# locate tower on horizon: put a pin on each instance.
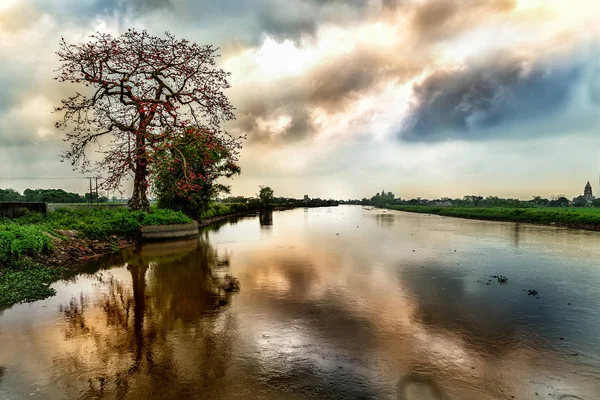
(587, 192)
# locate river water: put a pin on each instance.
(335, 303)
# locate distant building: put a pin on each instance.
(306, 199)
(587, 193)
(586, 198)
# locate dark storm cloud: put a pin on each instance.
(390, 4)
(468, 102)
(440, 19)
(294, 18)
(76, 9)
(343, 79)
(330, 87)
(289, 19)
(300, 125)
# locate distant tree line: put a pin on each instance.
(282, 202)
(379, 200)
(48, 196)
(266, 199)
(389, 199)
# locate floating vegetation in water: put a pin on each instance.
(503, 280)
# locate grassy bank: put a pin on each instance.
(585, 218)
(225, 209)
(99, 223)
(35, 248)
(21, 278)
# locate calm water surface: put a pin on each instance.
(334, 303)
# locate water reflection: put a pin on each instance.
(124, 344)
(266, 219)
(445, 302)
(385, 220)
(395, 306)
(420, 385)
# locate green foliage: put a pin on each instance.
(52, 196)
(48, 196)
(163, 217)
(265, 196)
(189, 170)
(383, 198)
(26, 281)
(562, 216)
(10, 195)
(220, 209)
(16, 241)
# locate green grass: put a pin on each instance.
(17, 241)
(99, 223)
(576, 217)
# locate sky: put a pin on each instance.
(345, 98)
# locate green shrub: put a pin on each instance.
(165, 217)
(17, 240)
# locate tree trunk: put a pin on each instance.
(139, 198)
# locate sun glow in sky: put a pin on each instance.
(7, 4)
(340, 99)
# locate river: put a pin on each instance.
(337, 302)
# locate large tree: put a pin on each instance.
(143, 93)
(265, 196)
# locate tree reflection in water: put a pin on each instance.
(385, 220)
(165, 332)
(265, 219)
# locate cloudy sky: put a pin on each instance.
(342, 98)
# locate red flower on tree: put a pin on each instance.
(188, 169)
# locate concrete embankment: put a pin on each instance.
(167, 232)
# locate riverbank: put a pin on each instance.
(38, 249)
(576, 218)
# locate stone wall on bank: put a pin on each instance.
(17, 209)
(165, 232)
